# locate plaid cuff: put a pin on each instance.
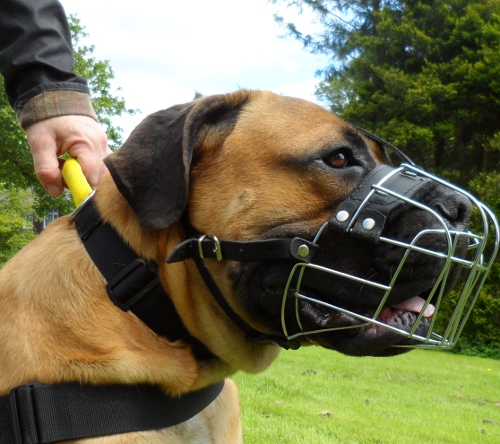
(50, 104)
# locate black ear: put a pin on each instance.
(151, 169)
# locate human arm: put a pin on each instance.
(52, 103)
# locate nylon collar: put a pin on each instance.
(133, 282)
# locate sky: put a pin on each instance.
(163, 51)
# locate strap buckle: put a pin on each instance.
(216, 247)
(134, 282)
(23, 413)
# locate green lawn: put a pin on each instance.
(317, 396)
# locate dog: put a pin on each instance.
(248, 166)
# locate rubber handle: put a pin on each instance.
(76, 181)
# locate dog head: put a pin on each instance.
(254, 166)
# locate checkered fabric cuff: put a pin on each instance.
(50, 104)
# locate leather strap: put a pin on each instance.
(200, 247)
(365, 211)
(208, 247)
(251, 333)
(384, 143)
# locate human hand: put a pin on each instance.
(80, 136)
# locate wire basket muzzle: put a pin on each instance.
(459, 256)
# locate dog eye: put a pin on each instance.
(338, 159)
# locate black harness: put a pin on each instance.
(133, 282)
(42, 414)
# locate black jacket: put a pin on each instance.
(35, 50)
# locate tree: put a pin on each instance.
(16, 227)
(99, 75)
(421, 73)
(16, 165)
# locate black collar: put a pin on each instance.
(133, 282)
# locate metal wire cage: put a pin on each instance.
(445, 324)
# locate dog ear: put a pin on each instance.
(151, 169)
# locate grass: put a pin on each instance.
(318, 396)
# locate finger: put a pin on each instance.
(92, 164)
(90, 150)
(47, 168)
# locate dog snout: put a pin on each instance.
(454, 207)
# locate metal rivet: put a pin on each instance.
(303, 251)
(342, 216)
(368, 224)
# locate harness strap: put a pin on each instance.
(44, 414)
(133, 282)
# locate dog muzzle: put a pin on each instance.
(460, 259)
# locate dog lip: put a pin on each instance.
(326, 318)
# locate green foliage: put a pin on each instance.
(16, 164)
(16, 226)
(99, 75)
(423, 74)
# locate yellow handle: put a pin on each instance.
(76, 181)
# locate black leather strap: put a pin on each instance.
(251, 333)
(200, 247)
(384, 143)
(363, 204)
(44, 414)
(207, 247)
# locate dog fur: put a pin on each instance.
(233, 163)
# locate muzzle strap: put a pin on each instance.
(365, 211)
(200, 247)
(209, 247)
(251, 333)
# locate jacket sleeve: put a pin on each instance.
(36, 60)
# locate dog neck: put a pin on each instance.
(194, 303)
(114, 209)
